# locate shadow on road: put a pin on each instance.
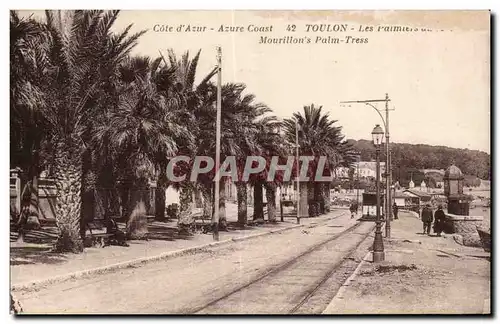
(34, 255)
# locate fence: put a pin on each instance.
(47, 194)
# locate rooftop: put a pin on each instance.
(453, 173)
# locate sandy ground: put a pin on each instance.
(181, 284)
(421, 275)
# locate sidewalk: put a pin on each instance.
(421, 275)
(33, 262)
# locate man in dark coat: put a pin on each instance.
(395, 210)
(439, 219)
(427, 219)
(353, 209)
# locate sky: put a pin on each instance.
(438, 81)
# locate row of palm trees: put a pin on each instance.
(105, 122)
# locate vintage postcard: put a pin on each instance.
(250, 162)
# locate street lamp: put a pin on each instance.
(388, 164)
(378, 243)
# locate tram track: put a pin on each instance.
(280, 273)
(304, 275)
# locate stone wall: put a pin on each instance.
(464, 227)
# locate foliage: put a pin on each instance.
(420, 156)
(318, 136)
(107, 121)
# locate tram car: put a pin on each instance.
(369, 206)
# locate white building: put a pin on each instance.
(412, 184)
(365, 169)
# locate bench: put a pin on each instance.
(205, 226)
(103, 239)
(100, 239)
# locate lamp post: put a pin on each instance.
(388, 163)
(297, 160)
(215, 218)
(378, 243)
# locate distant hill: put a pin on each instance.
(417, 157)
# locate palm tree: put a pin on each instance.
(241, 124)
(197, 106)
(318, 136)
(269, 144)
(28, 58)
(246, 127)
(146, 129)
(206, 117)
(82, 50)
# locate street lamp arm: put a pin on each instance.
(388, 154)
(378, 112)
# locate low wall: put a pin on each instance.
(465, 228)
(463, 224)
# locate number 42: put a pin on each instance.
(290, 28)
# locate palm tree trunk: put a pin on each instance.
(271, 201)
(89, 180)
(222, 207)
(125, 189)
(160, 196)
(29, 205)
(160, 199)
(258, 202)
(198, 197)
(250, 197)
(326, 188)
(29, 195)
(241, 188)
(313, 206)
(34, 199)
(137, 224)
(303, 200)
(319, 197)
(114, 201)
(68, 181)
(24, 211)
(186, 209)
(206, 192)
(106, 187)
(87, 209)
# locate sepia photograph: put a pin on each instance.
(250, 162)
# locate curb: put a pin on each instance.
(341, 292)
(32, 285)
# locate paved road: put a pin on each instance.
(271, 274)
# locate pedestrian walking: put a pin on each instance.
(395, 209)
(439, 219)
(427, 219)
(353, 209)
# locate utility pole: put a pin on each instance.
(215, 218)
(378, 243)
(297, 159)
(388, 154)
(357, 180)
(388, 172)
